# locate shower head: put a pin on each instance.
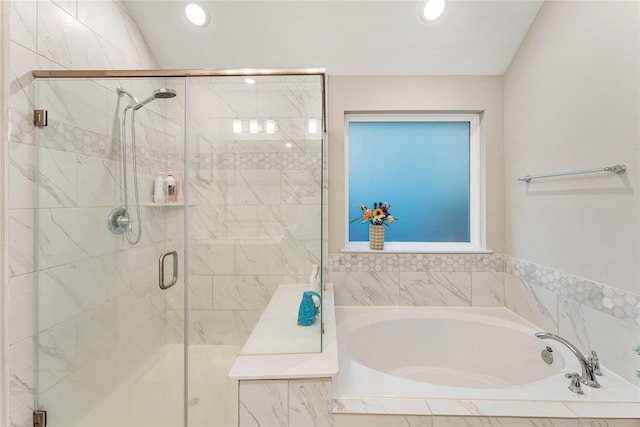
(158, 93)
(163, 92)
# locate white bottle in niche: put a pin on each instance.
(158, 189)
(179, 192)
(171, 187)
(314, 279)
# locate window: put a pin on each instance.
(427, 166)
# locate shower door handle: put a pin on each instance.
(174, 279)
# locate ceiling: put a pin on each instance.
(376, 37)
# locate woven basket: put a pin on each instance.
(376, 237)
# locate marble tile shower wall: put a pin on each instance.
(255, 214)
(583, 311)
(77, 159)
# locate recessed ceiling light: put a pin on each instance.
(433, 9)
(196, 14)
(249, 81)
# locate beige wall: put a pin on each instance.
(416, 93)
(572, 101)
(4, 63)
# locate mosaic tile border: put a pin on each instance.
(615, 302)
(359, 262)
(257, 161)
(279, 161)
(20, 128)
(64, 137)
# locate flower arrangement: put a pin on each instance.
(378, 216)
(636, 349)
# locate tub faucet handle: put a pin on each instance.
(595, 363)
(574, 385)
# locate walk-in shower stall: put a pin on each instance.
(145, 298)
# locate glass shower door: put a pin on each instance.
(255, 234)
(110, 340)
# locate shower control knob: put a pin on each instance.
(125, 222)
(118, 221)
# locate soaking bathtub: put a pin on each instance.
(441, 355)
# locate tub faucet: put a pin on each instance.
(588, 364)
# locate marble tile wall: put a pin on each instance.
(78, 174)
(255, 214)
(591, 315)
(436, 280)
(583, 311)
(302, 403)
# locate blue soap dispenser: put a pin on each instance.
(308, 310)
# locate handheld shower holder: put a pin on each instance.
(119, 221)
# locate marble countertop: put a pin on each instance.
(277, 331)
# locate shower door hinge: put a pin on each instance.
(39, 418)
(40, 117)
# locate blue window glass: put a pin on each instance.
(421, 168)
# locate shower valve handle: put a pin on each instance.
(119, 221)
(125, 222)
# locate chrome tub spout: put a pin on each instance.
(587, 364)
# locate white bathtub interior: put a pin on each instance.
(456, 353)
(437, 355)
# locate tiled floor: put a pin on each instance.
(156, 397)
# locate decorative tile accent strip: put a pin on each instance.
(256, 161)
(65, 137)
(356, 262)
(212, 161)
(20, 127)
(615, 302)
(278, 161)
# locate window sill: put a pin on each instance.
(415, 248)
